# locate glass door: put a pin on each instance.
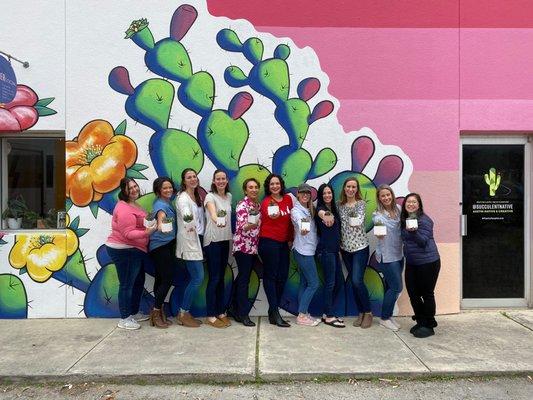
(493, 223)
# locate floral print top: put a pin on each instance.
(245, 241)
(353, 238)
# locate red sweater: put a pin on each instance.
(279, 229)
(127, 226)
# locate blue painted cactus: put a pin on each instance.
(270, 78)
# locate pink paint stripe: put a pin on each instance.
(427, 131)
(497, 115)
(441, 196)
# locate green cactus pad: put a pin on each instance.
(293, 115)
(273, 78)
(146, 201)
(198, 93)
(235, 77)
(282, 52)
(171, 60)
(296, 167)
(152, 101)
(13, 299)
(229, 40)
(324, 162)
(253, 50)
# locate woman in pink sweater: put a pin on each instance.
(127, 246)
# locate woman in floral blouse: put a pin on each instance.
(245, 242)
(354, 246)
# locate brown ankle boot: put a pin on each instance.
(186, 319)
(155, 319)
(367, 320)
(164, 318)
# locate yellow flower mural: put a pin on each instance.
(96, 160)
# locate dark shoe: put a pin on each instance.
(414, 328)
(275, 319)
(237, 319)
(246, 321)
(335, 323)
(423, 332)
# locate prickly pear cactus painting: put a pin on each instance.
(208, 94)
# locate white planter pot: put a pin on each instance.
(166, 227)
(305, 226)
(221, 221)
(190, 226)
(355, 221)
(273, 210)
(380, 230)
(149, 224)
(411, 223)
(253, 219)
(14, 223)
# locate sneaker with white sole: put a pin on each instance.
(396, 323)
(140, 317)
(306, 321)
(387, 323)
(129, 324)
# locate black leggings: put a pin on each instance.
(165, 264)
(420, 281)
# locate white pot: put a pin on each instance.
(273, 210)
(190, 226)
(355, 221)
(411, 223)
(14, 223)
(149, 224)
(166, 227)
(253, 219)
(221, 221)
(305, 226)
(380, 230)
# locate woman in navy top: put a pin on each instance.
(329, 241)
(422, 265)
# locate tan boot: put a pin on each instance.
(225, 320)
(164, 318)
(186, 319)
(358, 321)
(155, 319)
(367, 320)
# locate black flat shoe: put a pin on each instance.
(246, 321)
(275, 319)
(423, 332)
(414, 328)
(237, 318)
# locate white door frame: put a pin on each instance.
(528, 283)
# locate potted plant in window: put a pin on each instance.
(14, 212)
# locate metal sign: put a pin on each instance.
(8, 81)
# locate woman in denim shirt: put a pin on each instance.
(389, 252)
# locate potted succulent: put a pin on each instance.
(273, 208)
(253, 216)
(14, 213)
(189, 222)
(149, 220)
(353, 219)
(380, 229)
(412, 221)
(305, 225)
(166, 226)
(221, 218)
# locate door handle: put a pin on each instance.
(463, 225)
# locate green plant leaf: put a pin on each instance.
(68, 204)
(74, 223)
(94, 208)
(44, 102)
(2, 241)
(139, 167)
(121, 128)
(44, 111)
(23, 271)
(131, 173)
(81, 231)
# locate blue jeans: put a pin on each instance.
(128, 263)
(245, 263)
(392, 272)
(217, 259)
(356, 263)
(275, 258)
(196, 271)
(331, 265)
(308, 280)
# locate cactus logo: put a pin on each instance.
(492, 179)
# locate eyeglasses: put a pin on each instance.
(305, 193)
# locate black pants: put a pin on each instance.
(165, 264)
(420, 281)
(275, 258)
(217, 260)
(245, 263)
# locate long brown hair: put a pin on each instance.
(183, 188)
(214, 187)
(358, 196)
(394, 211)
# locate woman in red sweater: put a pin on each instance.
(127, 246)
(274, 237)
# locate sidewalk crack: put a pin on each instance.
(510, 317)
(91, 349)
(412, 351)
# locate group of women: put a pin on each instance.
(192, 230)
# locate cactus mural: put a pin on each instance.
(226, 115)
(493, 179)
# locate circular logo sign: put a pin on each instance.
(8, 81)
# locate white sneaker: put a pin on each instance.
(387, 323)
(139, 317)
(128, 323)
(396, 323)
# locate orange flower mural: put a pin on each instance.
(96, 160)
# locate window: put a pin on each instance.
(32, 178)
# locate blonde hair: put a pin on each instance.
(381, 209)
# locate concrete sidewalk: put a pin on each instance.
(471, 343)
